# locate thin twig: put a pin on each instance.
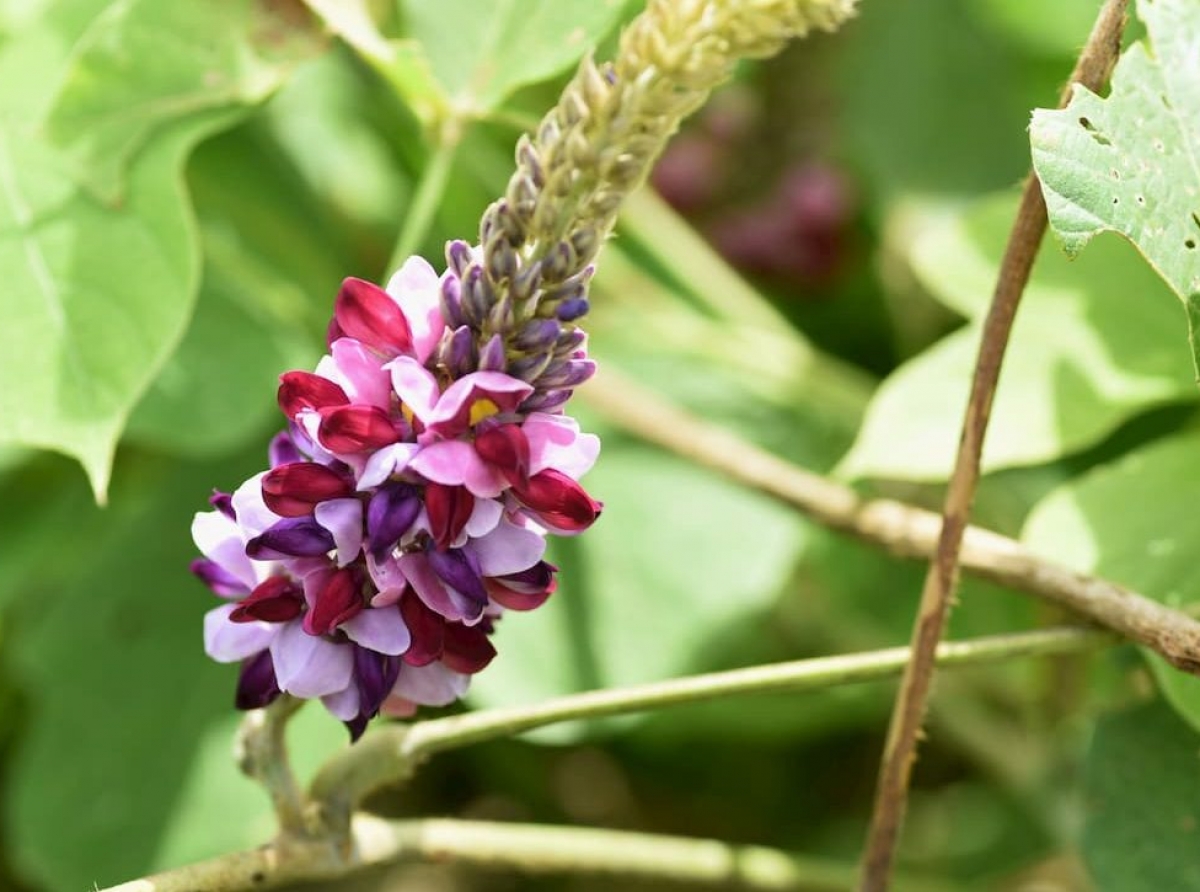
(903, 530)
(526, 848)
(1092, 70)
(388, 755)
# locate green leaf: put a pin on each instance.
(480, 54)
(1142, 784)
(1133, 522)
(1096, 342)
(1128, 163)
(106, 646)
(97, 294)
(144, 64)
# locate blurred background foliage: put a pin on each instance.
(201, 177)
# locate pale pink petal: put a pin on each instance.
(381, 630)
(343, 704)
(484, 517)
(220, 540)
(253, 515)
(388, 578)
(415, 385)
(229, 642)
(456, 463)
(307, 665)
(359, 372)
(507, 549)
(417, 289)
(555, 442)
(385, 462)
(452, 415)
(430, 685)
(343, 518)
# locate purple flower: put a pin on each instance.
(405, 508)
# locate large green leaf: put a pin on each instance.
(1134, 521)
(144, 64)
(97, 293)
(106, 646)
(1097, 341)
(1130, 162)
(1143, 803)
(481, 54)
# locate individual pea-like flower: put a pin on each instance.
(405, 508)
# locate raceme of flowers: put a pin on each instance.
(405, 507)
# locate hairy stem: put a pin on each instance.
(901, 529)
(262, 755)
(1092, 70)
(391, 754)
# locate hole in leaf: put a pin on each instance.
(1140, 199)
(1196, 219)
(1159, 145)
(1116, 174)
(1190, 244)
(1116, 200)
(1094, 133)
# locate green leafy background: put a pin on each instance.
(182, 187)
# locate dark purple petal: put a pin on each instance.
(542, 401)
(571, 373)
(460, 353)
(569, 341)
(223, 502)
(291, 537)
(390, 514)
(492, 357)
(571, 309)
(452, 301)
(256, 685)
(356, 726)
(538, 335)
(376, 674)
(282, 450)
(217, 578)
(454, 569)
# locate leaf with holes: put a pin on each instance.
(1131, 162)
(1133, 522)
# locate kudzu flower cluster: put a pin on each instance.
(406, 504)
(428, 455)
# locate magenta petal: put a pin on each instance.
(228, 642)
(453, 413)
(380, 629)
(309, 666)
(415, 385)
(366, 312)
(507, 549)
(456, 463)
(344, 519)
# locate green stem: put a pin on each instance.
(391, 754)
(428, 195)
(526, 848)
